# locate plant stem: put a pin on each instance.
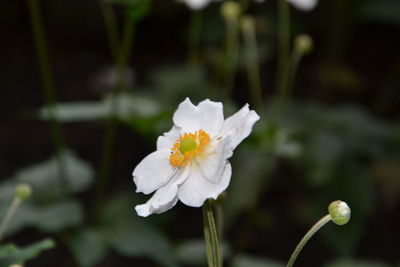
(231, 54)
(211, 237)
(294, 64)
(10, 213)
(307, 237)
(194, 36)
(48, 88)
(109, 140)
(111, 26)
(252, 65)
(283, 51)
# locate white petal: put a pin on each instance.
(165, 197)
(239, 125)
(208, 115)
(153, 171)
(196, 189)
(213, 163)
(305, 5)
(168, 139)
(196, 4)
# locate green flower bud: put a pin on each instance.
(340, 212)
(15, 265)
(230, 10)
(23, 191)
(303, 43)
(247, 23)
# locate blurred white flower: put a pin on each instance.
(196, 4)
(191, 161)
(305, 5)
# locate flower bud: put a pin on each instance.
(303, 43)
(247, 23)
(15, 265)
(340, 212)
(230, 10)
(23, 191)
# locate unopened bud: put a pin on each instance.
(230, 10)
(15, 265)
(23, 191)
(247, 23)
(340, 212)
(303, 43)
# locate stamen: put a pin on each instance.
(188, 147)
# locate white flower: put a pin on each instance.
(305, 5)
(191, 161)
(196, 4)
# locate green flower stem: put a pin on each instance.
(194, 36)
(10, 213)
(283, 51)
(231, 54)
(111, 27)
(48, 88)
(252, 65)
(290, 75)
(307, 237)
(109, 140)
(214, 258)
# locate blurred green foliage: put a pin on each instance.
(322, 152)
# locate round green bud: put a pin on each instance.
(303, 43)
(247, 23)
(15, 265)
(187, 145)
(340, 212)
(230, 10)
(23, 191)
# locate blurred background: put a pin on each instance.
(87, 86)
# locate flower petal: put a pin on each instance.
(239, 125)
(208, 115)
(212, 165)
(153, 171)
(165, 197)
(196, 189)
(305, 5)
(168, 139)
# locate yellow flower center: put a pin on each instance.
(187, 147)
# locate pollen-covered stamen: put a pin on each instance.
(187, 147)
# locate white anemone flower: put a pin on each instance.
(191, 161)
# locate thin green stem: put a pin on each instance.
(211, 236)
(48, 87)
(252, 64)
(111, 130)
(111, 27)
(307, 237)
(194, 36)
(294, 65)
(283, 51)
(231, 54)
(10, 213)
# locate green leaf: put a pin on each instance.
(49, 218)
(45, 181)
(10, 254)
(88, 247)
(133, 236)
(244, 260)
(129, 106)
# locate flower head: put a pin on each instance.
(191, 161)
